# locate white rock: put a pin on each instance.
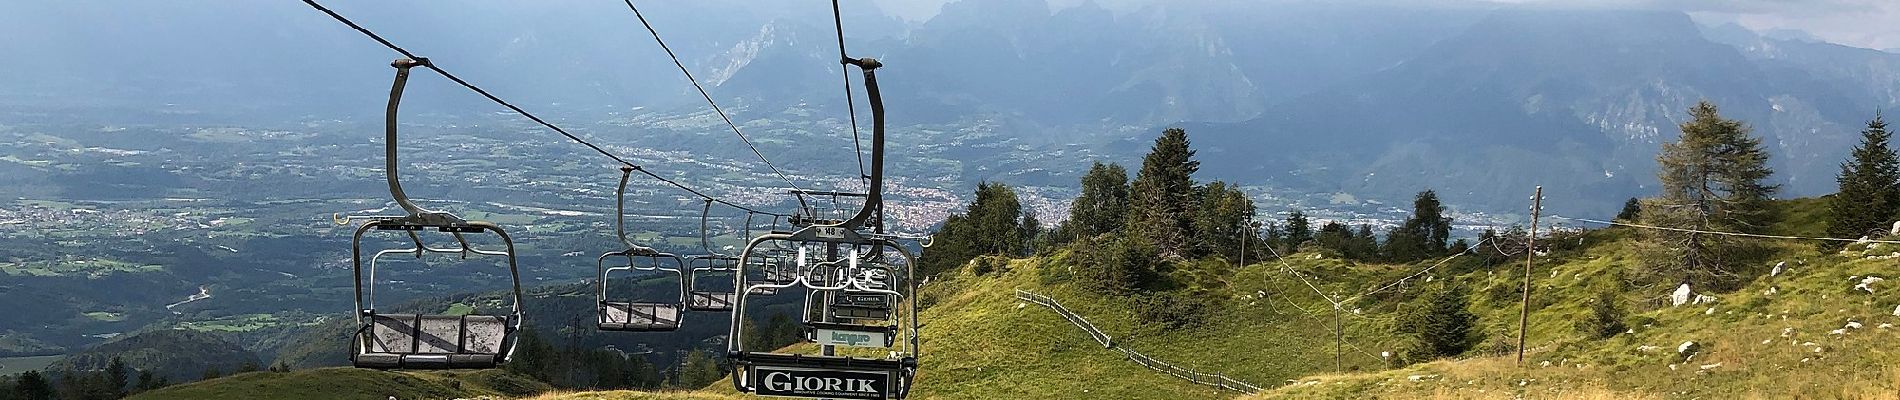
(1672, 367)
(1853, 325)
(1706, 367)
(1866, 284)
(1647, 349)
(1711, 311)
(1896, 229)
(1778, 268)
(1788, 331)
(1703, 298)
(1545, 364)
(1896, 311)
(1772, 290)
(1837, 332)
(1767, 341)
(1884, 326)
(1019, 306)
(1688, 348)
(1681, 296)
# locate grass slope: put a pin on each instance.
(1782, 336)
(351, 383)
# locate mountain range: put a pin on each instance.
(1373, 99)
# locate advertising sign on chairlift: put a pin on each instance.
(834, 337)
(828, 384)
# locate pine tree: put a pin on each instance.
(1632, 210)
(991, 225)
(33, 386)
(1424, 234)
(1222, 223)
(699, 370)
(1103, 204)
(1712, 180)
(146, 381)
(1161, 199)
(117, 377)
(1443, 326)
(1031, 228)
(1869, 196)
(1299, 230)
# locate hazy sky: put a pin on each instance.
(1862, 23)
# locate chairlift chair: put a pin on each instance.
(765, 372)
(707, 264)
(426, 341)
(637, 316)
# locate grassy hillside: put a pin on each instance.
(1805, 333)
(350, 383)
(1782, 336)
(179, 355)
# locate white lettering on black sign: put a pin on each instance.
(822, 384)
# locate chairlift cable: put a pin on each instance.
(709, 100)
(518, 110)
(1736, 234)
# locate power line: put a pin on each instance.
(518, 110)
(709, 99)
(1416, 275)
(1736, 234)
(1296, 274)
(850, 101)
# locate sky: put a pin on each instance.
(1861, 23)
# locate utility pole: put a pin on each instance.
(1530, 254)
(1247, 233)
(1339, 336)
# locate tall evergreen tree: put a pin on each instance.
(147, 381)
(991, 225)
(1161, 199)
(1443, 326)
(33, 386)
(1222, 223)
(1869, 196)
(118, 378)
(1713, 179)
(699, 370)
(1299, 230)
(1423, 235)
(1103, 204)
(1632, 210)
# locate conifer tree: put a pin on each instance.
(1423, 235)
(991, 225)
(1632, 210)
(1443, 326)
(1299, 230)
(1103, 204)
(1713, 179)
(34, 386)
(1869, 196)
(1161, 199)
(117, 377)
(1222, 223)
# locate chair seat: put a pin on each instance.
(639, 317)
(711, 301)
(422, 341)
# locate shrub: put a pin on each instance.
(1117, 265)
(1173, 310)
(1607, 316)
